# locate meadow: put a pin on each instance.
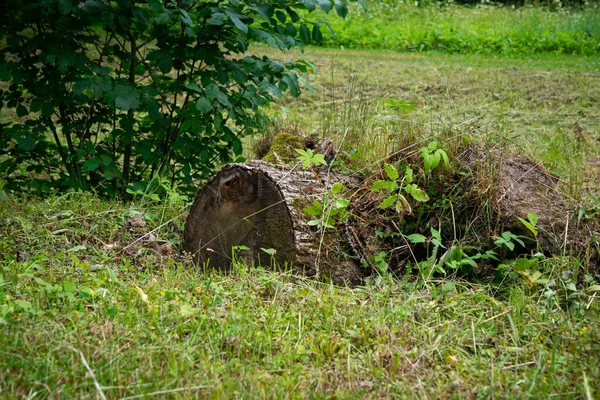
(90, 309)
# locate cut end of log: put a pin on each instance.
(240, 213)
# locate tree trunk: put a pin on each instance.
(248, 210)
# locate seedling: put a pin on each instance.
(396, 189)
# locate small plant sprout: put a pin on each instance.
(308, 158)
(531, 223)
(396, 189)
(432, 155)
(380, 262)
(508, 239)
(330, 210)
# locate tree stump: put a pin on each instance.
(250, 210)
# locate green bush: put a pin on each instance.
(108, 94)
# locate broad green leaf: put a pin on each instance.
(304, 34)
(23, 304)
(529, 226)
(325, 5)
(341, 203)
(317, 35)
(388, 201)
(265, 10)
(186, 310)
(203, 105)
(416, 238)
(193, 86)
(125, 97)
(165, 62)
(408, 175)
(391, 172)
(69, 286)
(27, 142)
(445, 158)
(378, 185)
(281, 17)
(212, 91)
(335, 189)
(341, 8)
(533, 218)
(235, 18)
(92, 164)
(416, 193)
(21, 111)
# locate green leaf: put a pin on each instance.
(533, 218)
(125, 97)
(65, 6)
(23, 304)
(445, 158)
(388, 201)
(212, 91)
(186, 310)
(69, 286)
(408, 175)
(325, 5)
(416, 238)
(416, 193)
(529, 226)
(281, 16)
(21, 111)
(235, 18)
(335, 189)
(92, 164)
(304, 34)
(341, 8)
(165, 62)
(391, 172)
(193, 86)
(378, 185)
(265, 10)
(317, 35)
(27, 142)
(203, 105)
(341, 203)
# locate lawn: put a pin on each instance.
(90, 308)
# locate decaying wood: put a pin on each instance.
(259, 206)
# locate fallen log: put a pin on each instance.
(257, 212)
(254, 211)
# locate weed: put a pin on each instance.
(396, 187)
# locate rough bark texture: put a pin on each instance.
(259, 206)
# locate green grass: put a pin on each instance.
(153, 327)
(400, 26)
(546, 109)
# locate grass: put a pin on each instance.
(401, 26)
(546, 109)
(89, 308)
(153, 328)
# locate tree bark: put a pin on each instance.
(248, 209)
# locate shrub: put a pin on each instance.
(108, 94)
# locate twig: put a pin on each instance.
(91, 372)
